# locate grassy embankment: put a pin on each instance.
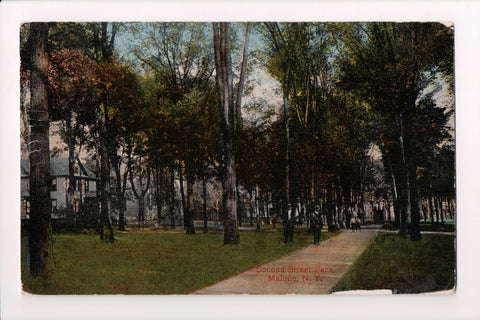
(154, 262)
(404, 266)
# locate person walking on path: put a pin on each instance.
(288, 226)
(288, 230)
(355, 223)
(317, 225)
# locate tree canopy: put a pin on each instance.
(158, 108)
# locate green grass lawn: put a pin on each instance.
(404, 266)
(154, 262)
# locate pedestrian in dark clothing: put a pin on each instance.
(288, 230)
(316, 232)
(357, 223)
(317, 226)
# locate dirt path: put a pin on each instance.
(312, 270)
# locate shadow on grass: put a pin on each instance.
(403, 266)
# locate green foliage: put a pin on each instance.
(392, 262)
(71, 35)
(437, 173)
(177, 88)
(390, 67)
(330, 127)
(252, 156)
(118, 85)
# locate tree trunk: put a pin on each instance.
(412, 186)
(424, 210)
(286, 113)
(224, 83)
(103, 51)
(404, 194)
(330, 209)
(239, 208)
(205, 216)
(105, 221)
(141, 213)
(257, 207)
(451, 208)
(430, 208)
(252, 207)
(396, 205)
(414, 208)
(71, 166)
(189, 213)
(39, 154)
(172, 199)
(140, 193)
(182, 195)
(389, 213)
(402, 174)
(161, 197)
(267, 211)
(440, 206)
(311, 198)
(158, 197)
(121, 205)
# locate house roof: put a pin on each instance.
(58, 168)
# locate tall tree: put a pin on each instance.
(297, 56)
(281, 66)
(72, 101)
(39, 152)
(104, 41)
(119, 87)
(223, 69)
(180, 59)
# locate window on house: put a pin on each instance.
(54, 205)
(53, 184)
(73, 184)
(87, 186)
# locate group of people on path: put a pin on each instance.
(355, 223)
(316, 225)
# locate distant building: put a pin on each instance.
(84, 187)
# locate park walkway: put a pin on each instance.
(311, 270)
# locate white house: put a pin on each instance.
(84, 188)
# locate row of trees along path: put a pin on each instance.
(345, 88)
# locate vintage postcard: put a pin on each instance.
(237, 158)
